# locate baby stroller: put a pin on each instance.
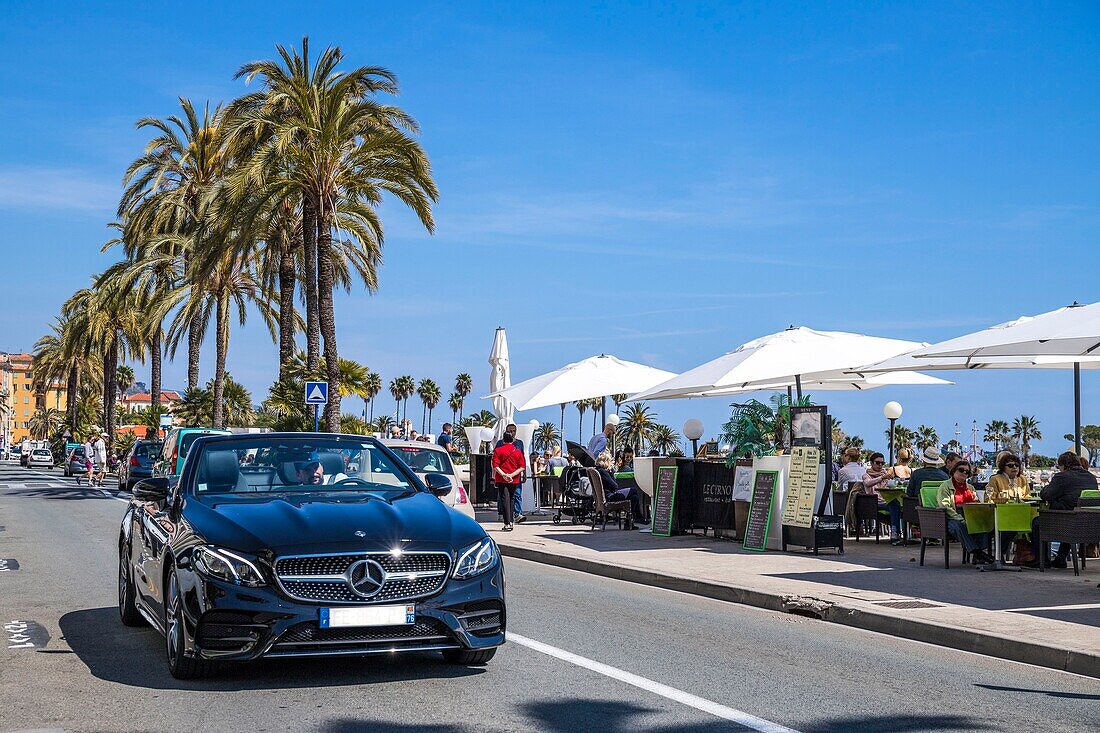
(575, 498)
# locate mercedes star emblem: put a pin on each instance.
(366, 578)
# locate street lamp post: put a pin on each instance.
(693, 430)
(892, 411)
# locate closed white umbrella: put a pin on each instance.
(780, 359)
(500, 379)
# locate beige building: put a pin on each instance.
(21, 397)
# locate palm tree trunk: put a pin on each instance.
(372, 409)
(155, 367)
(423, 416)
(286, 310)
(327, 318)
(221, 345)
(429, 420)
(309, 244)
(72, 387)
(110, 387)
(194, 346)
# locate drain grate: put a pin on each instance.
(907, 604)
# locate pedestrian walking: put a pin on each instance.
(508, 466)
(100, 448)
(517, 496)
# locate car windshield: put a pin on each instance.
(147, 450)
(424, 460)
(187, 440)
(308, 464)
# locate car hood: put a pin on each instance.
(303, 523)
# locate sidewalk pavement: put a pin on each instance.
(1051, 619)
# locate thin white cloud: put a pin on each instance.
(61, 189)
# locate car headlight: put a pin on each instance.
(476, 559)
(228, 566)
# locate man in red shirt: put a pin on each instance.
(508, 466)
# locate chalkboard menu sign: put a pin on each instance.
(760, 511)
(664, 501)
(713, 496)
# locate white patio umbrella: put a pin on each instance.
(782, 358)
(851, 382)
(500, 379)
(596, 376)
(1066, 338)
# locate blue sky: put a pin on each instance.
(661, 184)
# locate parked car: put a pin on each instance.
(175, 448)
(137, 464)
(334, 532)
(425, 458)
(40, 458)
(74, 462)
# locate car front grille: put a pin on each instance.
(228, 631)
(324, 578)
(483, 619)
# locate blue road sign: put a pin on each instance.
(316, 393)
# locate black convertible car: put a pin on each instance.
(303, 544)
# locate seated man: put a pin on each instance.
(311, 473)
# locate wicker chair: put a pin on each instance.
(1075, 527)
(603, 508)
(909, 516)
(933, 526)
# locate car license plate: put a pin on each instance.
(368, 616)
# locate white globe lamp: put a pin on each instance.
(693, 430)
(891, 411)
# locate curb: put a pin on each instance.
(986, 644)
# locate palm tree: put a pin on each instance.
(371, 389)
(636, 427)
(406, 388)
(1025, 428)
(382, 424)
(169, 189)
(464, 384)
(46, 422)
(596, 404)
(996, 432)
(114, 326)
(328, 142)
(903, 438)
(664, 439)
(353, 425)
(67, 355)
(196, 408)
(546, 437)
(618, 399)
(927, 437)
(582, 406)
(430, 395)
(397, 392)
(455, 403)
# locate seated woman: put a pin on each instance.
(876, 477)
(611, 490)
(626, 462)
(1007, 484)
(951, 495)
(901, 469)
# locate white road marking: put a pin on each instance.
(109, 495)
(671, 693)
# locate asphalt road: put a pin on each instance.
(586, 653)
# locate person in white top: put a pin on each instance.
(100, 447)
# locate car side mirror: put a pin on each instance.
(152, 489)
(438, 484)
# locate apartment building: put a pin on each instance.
(20, 397)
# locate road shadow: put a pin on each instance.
(898, 724)
(1048, 693)
(135, 657)
(66, 494)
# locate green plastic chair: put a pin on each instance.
(928, 490)
(1090, 494)
(558, 470)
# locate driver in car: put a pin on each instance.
(311, 473)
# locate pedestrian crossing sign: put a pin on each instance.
(316, 393)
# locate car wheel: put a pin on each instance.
(127, 609)
(180, 665)
(468, 657)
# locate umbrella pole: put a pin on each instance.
(1077, 407)
(798, 385)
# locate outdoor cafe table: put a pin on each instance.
(890, 494)
(997, 518)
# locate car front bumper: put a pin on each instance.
(223, 621)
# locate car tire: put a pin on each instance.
(469, 657)
(180, 666)
(127, 608)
